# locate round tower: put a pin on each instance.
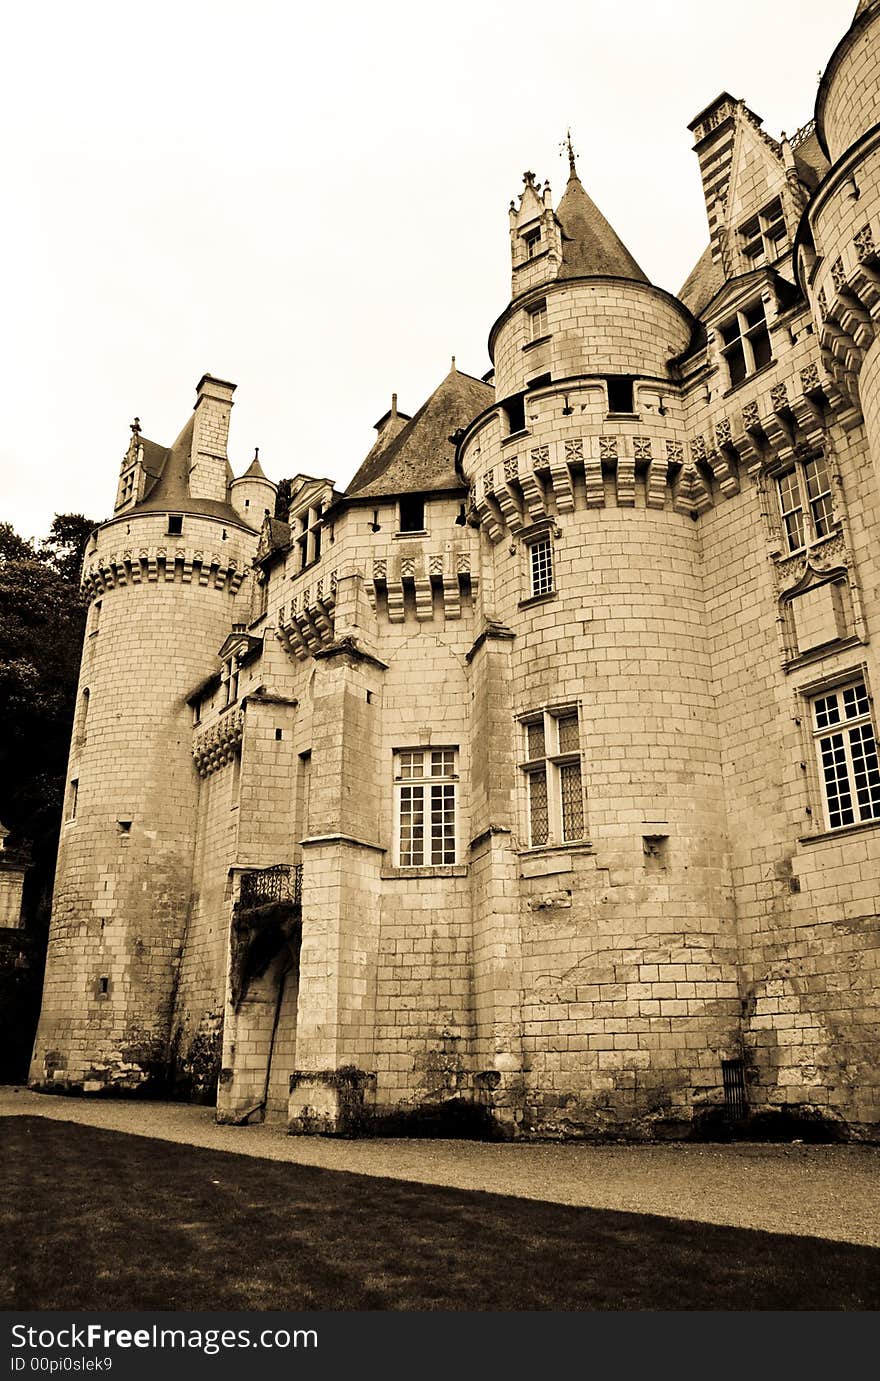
(591, 568)
(161, 577)
(252, 495)
(839, 236)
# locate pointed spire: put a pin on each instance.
(566, 147)
(255, 469)
(590, 247)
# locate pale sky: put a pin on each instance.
(311, 201)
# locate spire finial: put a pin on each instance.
(452, 366)
(136, 426)
(256, 453)
(566, 147)
(529, 179)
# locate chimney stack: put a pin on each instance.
(208, 476)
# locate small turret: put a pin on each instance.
(575, 300)
(252, 495)
(535, 237)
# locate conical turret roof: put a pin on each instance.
(254, 470)
(589, 245)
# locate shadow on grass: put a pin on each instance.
(98, 1219)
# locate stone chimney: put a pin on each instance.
(208, 474)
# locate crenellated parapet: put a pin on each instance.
(150, 565)
(845, 294)
(217, 745)
(637, 463)
(790, 415)
(306, 624)
(421, 577)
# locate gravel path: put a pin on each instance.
(817, 1191)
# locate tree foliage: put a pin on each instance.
(42, 617)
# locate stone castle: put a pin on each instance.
(531, 783)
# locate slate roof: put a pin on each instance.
(589, 245)
(421, 458)
(810, 161)
(705, 279)
(167, 487)
(254, 470)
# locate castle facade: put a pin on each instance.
(532, 782)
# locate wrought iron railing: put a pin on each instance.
(801, 135)
(279, 885)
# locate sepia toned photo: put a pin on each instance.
(439, 607)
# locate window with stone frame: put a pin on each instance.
(845, 743)
(259, 595)
(764, 238)
(539, 553)
(745, 342)
(537, 320)
(229, 676)
(411, 513)
(551, 771)
(806, 509)
(425, 806)
(310, 525)
(532, 241)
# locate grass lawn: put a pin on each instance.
(96, 1219)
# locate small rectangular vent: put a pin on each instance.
(733, 1074)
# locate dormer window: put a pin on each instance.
(309, 540)
(764, 237)
(746, 342)
(537, 320)
(532, 242)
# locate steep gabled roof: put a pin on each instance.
(589, 245)
(421, 458)
(810, 161)
(705, 279)
(169, 490)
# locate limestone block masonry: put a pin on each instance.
(530, 786)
